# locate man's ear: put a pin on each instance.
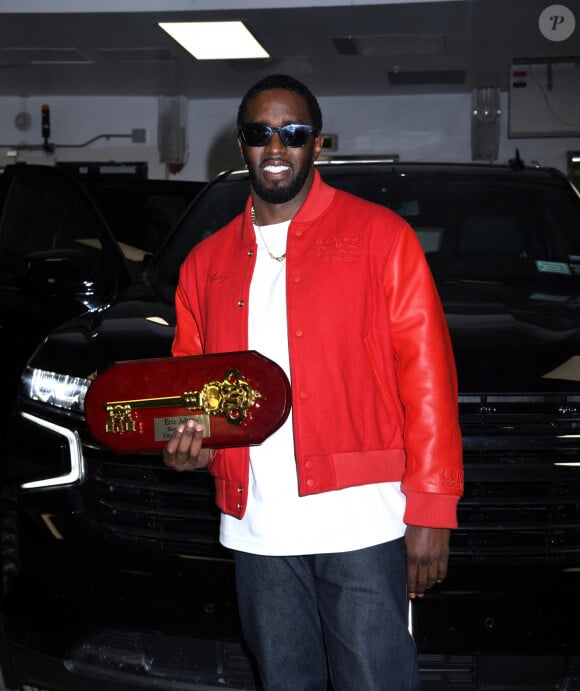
(317, 146)
(241, 149)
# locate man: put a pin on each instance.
(347, 508)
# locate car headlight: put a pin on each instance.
(54, 389)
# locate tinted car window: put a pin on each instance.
(54, 240)
(141, 213)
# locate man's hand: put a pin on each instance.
(427, 556)
(183, 450)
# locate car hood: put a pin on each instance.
(129, 330)
(514, 338)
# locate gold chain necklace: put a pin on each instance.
(255, 222)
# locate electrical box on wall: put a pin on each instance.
(330, 142)
(544, 98)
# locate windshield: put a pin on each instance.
(482, 226)
(507, 227)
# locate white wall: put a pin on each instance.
(430, 128)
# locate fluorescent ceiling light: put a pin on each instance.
(215, 40)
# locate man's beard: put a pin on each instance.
(278, 194)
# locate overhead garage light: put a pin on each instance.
(215, 40)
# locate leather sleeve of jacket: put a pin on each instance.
(427, 382)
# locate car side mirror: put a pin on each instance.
(57, 273)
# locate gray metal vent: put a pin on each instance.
(292, 65)
(392, 45)
(137, 54)
(43, 56)
(427, 77)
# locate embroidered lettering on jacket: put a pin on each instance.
(452, 478)
(338, 248)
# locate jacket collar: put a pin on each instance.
(317, 201)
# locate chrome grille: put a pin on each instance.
(522, 488)
(522, 480)
(138, 500)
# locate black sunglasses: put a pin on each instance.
(258, 134)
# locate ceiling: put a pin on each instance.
(337, 48)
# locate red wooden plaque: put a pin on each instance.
(241, 398)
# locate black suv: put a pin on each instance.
(113, 579)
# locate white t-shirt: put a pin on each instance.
(278, 521)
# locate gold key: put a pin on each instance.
(230, 397)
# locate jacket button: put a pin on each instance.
(308, 464)
(239, 507)
(299, 332)
(250, 253)
(241, 303)
(240, 490)
(310, 483)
